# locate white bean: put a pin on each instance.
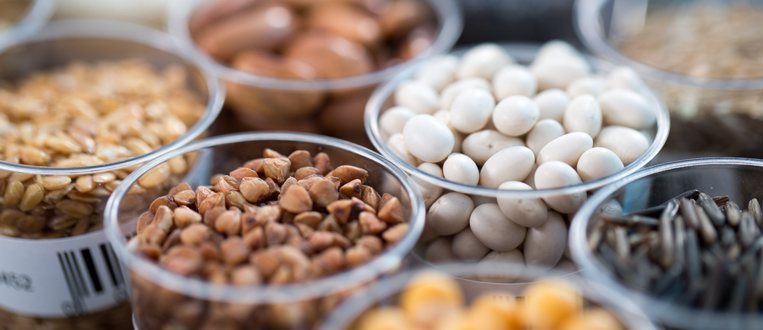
(462, 169)
(396, 143)
(559, 72)
(417, 96)
(528, 212)
(427, 235)
(552, 103)
(393, 120)
(625, 77)
(545, 131)
(466, 246)
(597, 163)
(513, 257)
(583, 114)
(555, 174)
(545, 244)
(566, 148)
(458, 138)
(471, 110)
(627, 108)
(494, 229)
(483, 144)
(483, 61)
(627, 143)
(427, 138)
(440, 251)
(438, 72)
(514, 80)
(587, 85)
(430, 192)
(450, 213)
(510, 164)
(610, 208)
(556, 48)
(515, 115)
(450, 92)
(530, 180)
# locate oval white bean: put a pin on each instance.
(396, 143)
(515, 115)
(545, 244)
(587, 85)
(566, 148)
(583, 114)
(510, 164)
(559, 72)
(514, 80)
(471, 110)
(555, 48)
(430, 192)
(552, 103)
(418, 97)
(555, 174)
(458, 138)
(627, 143)
(440, 250)
(610, 208)
(462, 169)
(544, 132)
(625, 77)
(528, 212)
(450, 92)
(597, 163)
(438, 72)
(494, 229)
(466, 246)
(530, 180)
(513, 257)
(483, 61)
(427, 138)
(627, 108)
(483, 144)
(450, 213)
(393, 120)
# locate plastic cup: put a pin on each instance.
(75, 282)
(711, 117)
(161, 298)
(38, 13)
(736, 177)
(387, 291)
(523, 53)
(329, 106)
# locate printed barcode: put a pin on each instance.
(91, 287)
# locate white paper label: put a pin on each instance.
(61, 277)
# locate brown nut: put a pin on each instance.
(195, 234)
(311, 219)
(300, 159)
(333, 56)
(323, 193)
(370, 224)
(229, 222)
(234, 251)
(255, 190)
(307, 172)
(182, 260)
(352, 189)
(245, 275)
(347, 173)
(402, 16)
(276, 168)
(263, 27)
(395, 233)
(347, 21)
(391, 211)
(296, 200)
(185, 217)
(243, 172)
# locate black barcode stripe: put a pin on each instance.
(95, 280)
(118, 271)
(68, 282)
(107, 259)
(77, 288)
(85, 291)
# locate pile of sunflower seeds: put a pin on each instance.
(693, 250)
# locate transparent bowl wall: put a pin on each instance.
(736, 177)
(387, 291)
(524, 53)
(38, 13)
(159, 297)
(333, 107)
(710, 116)
(62, 42)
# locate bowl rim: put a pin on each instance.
(519, 51)
(36, 16)
(385, 262)
(589, 28)
(128, 32)
(450, 25)
(668, 313)
(619, 304)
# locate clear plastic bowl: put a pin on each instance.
(386, 292)
(38, 13)
(736, 177)
(292, 102)
(58, 44)
(719, 117)
(220, 155)
(523, 53)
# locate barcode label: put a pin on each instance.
(59, 278)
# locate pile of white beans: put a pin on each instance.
(485, 120)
